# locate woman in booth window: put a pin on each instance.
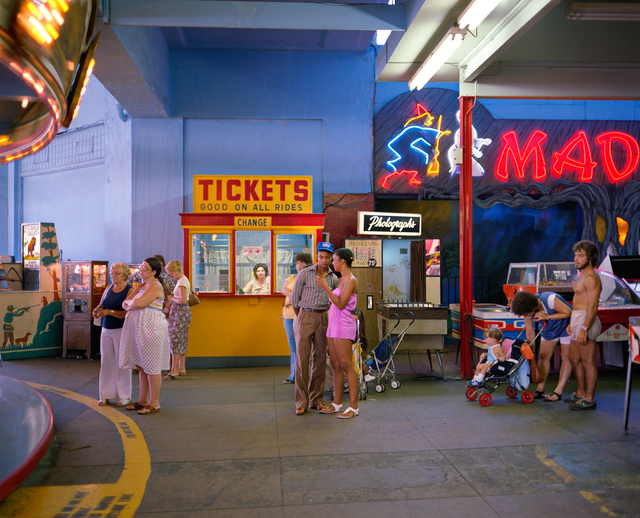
(259, 285)
(145, 336)
(179, 320)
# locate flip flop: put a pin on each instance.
(553, 397)
(538, 394)
(135, 406)
(349, 413)
(149, 410)
(169, 377)
(331, 409)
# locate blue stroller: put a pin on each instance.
(515, 371)
(381, 365)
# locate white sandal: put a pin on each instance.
(346, 415)
(332, 409)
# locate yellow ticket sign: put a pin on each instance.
(253, 194)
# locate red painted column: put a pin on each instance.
(466, 236)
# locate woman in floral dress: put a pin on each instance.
(179, 320)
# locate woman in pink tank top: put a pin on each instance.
(341, 332)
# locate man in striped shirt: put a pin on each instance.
(311, 305)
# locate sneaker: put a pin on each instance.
(583, 404)
(572, 398)
(474, 384)
(368, 378)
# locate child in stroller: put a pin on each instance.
(494, 355)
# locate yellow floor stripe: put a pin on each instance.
(119, 500)
(543, 456)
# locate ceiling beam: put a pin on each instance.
(254, 15)
(556, 81)
(516, 23)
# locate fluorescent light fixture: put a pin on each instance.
(382, 35)
(475, 13)
(443, 51)
(601, 11)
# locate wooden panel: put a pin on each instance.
(369, 283)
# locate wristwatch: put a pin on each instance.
(584, 328)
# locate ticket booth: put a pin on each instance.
(238, 223)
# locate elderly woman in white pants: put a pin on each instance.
(114, 383)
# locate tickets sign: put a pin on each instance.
(253, 194)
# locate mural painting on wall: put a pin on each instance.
(32, 320)
(533, 163)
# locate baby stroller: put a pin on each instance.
(515, 371)
(381, 365)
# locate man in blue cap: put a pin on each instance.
(311, 305)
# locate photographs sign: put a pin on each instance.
(389, 224)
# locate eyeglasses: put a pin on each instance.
(144, 268)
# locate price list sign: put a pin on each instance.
(367, 253)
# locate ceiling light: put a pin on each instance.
(447, 46)
(475, 13)
(382, 35)
(601, 11)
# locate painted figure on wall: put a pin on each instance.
(7, 326)
(477, 144)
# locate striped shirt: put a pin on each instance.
(306, 292)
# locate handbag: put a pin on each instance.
(193, 299)
(535, 376)
(98, 321)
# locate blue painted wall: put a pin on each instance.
(321, 106)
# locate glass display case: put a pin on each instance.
(83, 283)
(543, 276)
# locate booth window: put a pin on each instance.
(287, 246)
(252, 248)
(210, 253)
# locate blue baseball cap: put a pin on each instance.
(323, 246)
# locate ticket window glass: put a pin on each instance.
(287, 246)
(211, 263)
(252, 248)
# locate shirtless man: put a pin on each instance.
(585, 326)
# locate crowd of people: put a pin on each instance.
(146, 318)
(143, 328)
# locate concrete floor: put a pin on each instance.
(227, 444)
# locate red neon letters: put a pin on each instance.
(511, 149)
(631, 153)
(562, 160)
(575, 156)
